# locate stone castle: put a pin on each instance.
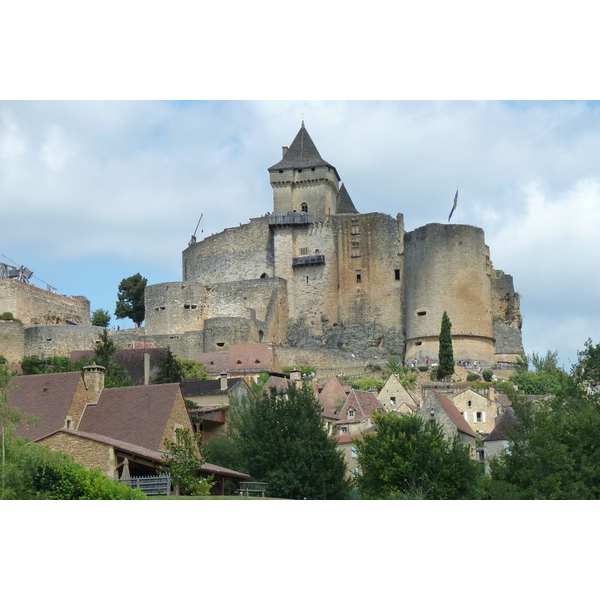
(317, 274)
(314, 275)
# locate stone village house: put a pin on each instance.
(120, 431)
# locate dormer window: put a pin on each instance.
(351, 413)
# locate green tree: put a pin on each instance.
(169, 369)
(281, 439)
(409, 457)
(446, 352)
(130, 301)
(366, 384)
(116, 375)
(101, 318)
(186, 457)
(546, 378)
(192, 369)
(553, 450)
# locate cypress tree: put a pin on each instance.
(446, 353)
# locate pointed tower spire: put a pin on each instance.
(303, 182)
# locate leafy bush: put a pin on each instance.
(488, 375)
(34, 472)
(366, 384)
(472, 377)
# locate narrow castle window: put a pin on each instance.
(304, 207)
(397, 274)
(354, 229)
(355, 250)
(358, 277)
(421, 313)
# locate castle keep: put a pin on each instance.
(317, 274)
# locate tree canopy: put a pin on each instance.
(281, 440)
(409, 457)
(130, 301)
(100, 318)
(553, 451)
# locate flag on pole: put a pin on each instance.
(454, 207)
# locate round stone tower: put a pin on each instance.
(447, 268)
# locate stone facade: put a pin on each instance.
(35, 306)
(50, 324)
(316, 274)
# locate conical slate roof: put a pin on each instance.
(302, 154)
(344, 202)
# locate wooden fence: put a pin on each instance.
(153, 485)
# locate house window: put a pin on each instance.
(304, 207)
(355, 250)
(353, 452)
(303, 251)
(351, 413)
(354, 229)
(344, 431)
(479, 417)
(392, 401)
(397, 274)
(358, 277)
(469, 403)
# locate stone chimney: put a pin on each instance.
(223, 379)
(93, 377)
(284, 150)
(296, 377)
(146, 368)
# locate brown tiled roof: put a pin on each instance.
(279, 383)
(347, 439)
(251, 357)
(215, 362)
(506, 422)
(217, 470)
(208, 468)
(208, 387)
(365, 404)
(109, 441)
(454, 414)
(332, 393)
(132, 360)
(48, 396)
(136, 415)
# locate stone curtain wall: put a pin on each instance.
(35, 306)
(237, 253)
(12, 341)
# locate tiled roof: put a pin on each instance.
(454, 414)
(347, 439)
(217, 470)
(215, 362)
(251, 357)
(506, 422)
(332, 393)
(145, 452)
(365, 405)
(344, 202)
(48, 396)
(301, 154)
(132, 360)
(208, 387)
(136, 415)
(109, 441)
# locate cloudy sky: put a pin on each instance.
(92, 192)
